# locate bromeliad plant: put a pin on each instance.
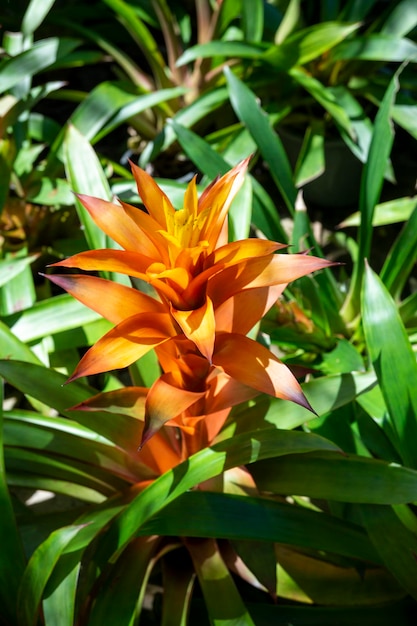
(204, 499)
(208, 295)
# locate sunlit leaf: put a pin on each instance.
(386, 339)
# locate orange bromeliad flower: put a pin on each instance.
(208, 296)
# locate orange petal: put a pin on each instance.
(152, 239)
(154, 199)
(225, 392)
(277, 269)
(125, 343)
(237, 251)
(227, 256)
(112, 220)
(253, 365)
(128, 400)
(164, 402)
(241, 312)
(177, 276)
(191, 198)
(199, 326)
(217, 201)
(130, 263)
(111, 300)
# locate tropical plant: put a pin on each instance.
(242, 505)
(325, 79)
(257, 493)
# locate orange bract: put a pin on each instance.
(208, 295)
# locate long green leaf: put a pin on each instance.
(209, 514)
(336, 477)
(253, 19)
(64, 438)
(396, 544)
(325, 394)
(376, 47)
(142, 35)
(37, 573)
(227, 49)
(123, 588)
(371, 185)
(308, 44)
(13, 348)
(12, 561)
(390, 212)
(402, 19)
(210, 462)
(34, 15)
(255, 119)
(59, 605)
(204, 106)
(50, 316)
(9, 268)
(49, 387)
(394, 361)
(86, 176)
(401, 258)
(40, 56)
(224, 603)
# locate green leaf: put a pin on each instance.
(12, 348)
(49, 387)
(207, 463)
(390, 212)
(325, 394)
(51, 192)
(141, 34)
(50, 316)
(333, 476)
(227, 49)
(9, 268)
(224, 603)
(385, 614)
(41, 55)
(12, 562)
(85, 175)
(67, 440)
(204, 106)
(34, 15)
(247, 109)
(19, 293)
(111, 104)
(59, 605)
(209, 514)
(178, 581)
(396, 544)
(310, 162)
(325, 96)
(37, 573)
(376, 47)
(308, 44)
(401, 258)
(253, 20)
(405, 116)
(402, 19)
(392, 356)
(199, 151)
(123, 588)
(371, 185)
